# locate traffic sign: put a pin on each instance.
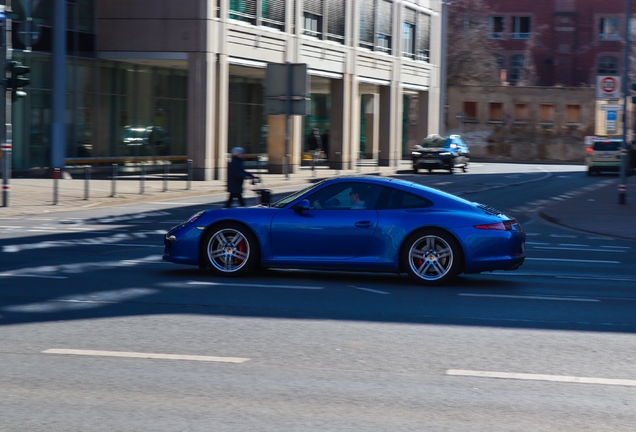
(611, 107)
(608, 87)
(611, 121)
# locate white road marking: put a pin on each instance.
(574, 245)
(579, 299)
(541, 377)
(573, 260)
(146, 355)
(562, 236)
(616, 247)
(574, 248)
(40, 219)
(369, 290)
(255, 285)
(503, 273)
(10, 226)
(536, 243)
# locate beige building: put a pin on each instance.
(365, 58)
(525, 123)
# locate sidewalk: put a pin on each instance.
(595, 212)
(35, 196)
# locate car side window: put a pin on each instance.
(396, 199)
(345, 196)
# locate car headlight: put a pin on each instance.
(416, 153)
(444, 154)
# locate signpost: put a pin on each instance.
(286, 92)
(5, 105)
(610, 123)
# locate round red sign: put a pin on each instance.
(609, 84)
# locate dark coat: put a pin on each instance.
(314, 142)
(235, 175)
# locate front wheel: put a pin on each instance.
(432, 257)
(230, 250)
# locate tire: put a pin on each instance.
(451, 167)
(415, 169)
(230, 249)
(465, 167)
(432, 257)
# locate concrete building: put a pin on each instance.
(151, 79)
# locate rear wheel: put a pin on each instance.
(230, 249)
(432, 257)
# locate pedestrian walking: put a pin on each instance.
(235, 175)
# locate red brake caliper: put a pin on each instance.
(419, 261)
(241, 248)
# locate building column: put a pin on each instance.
(390, 130)
(222, 119)
(201, 113)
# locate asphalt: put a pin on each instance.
(597, 211)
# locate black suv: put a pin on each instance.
(438, 152)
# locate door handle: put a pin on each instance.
(364, 224)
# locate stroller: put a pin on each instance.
(263, 196)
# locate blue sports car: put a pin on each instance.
(353, 223)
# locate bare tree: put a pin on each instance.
(470, 57)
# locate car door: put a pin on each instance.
(332, 229)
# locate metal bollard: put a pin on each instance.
(87, 179)
(338, 162)
(360, 162)
(190, 170)
(142, 178)
(166, 171)
(56, 181)
(113, 192)
(313, 163)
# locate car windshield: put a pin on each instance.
(289, 198)
(607, 145)
(434, 142)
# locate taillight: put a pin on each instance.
(589, 150)
(499, 226)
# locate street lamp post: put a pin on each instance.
(622, 187)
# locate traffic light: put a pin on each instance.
(17, 79)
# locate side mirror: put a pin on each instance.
(301, 206)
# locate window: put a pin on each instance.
(273, 14)
(345, 196)
(336, 21)
(608, 29)
(517, 64)
(395, 199)
(520, 27)
(313, 25)
(384, 26)
(243, 10)
(423, 37)
(312, 17)
(607, 66)
(367, 23)
(495, 27)
(573, 113)
(546, 113)
(470, 110)
(495, 111)
(408, 48)
(521, 112)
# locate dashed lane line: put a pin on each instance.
(541, 377)
(528, 297)
(222, 284)
(140, 355)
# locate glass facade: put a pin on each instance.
(246, 117)
(113, 109)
